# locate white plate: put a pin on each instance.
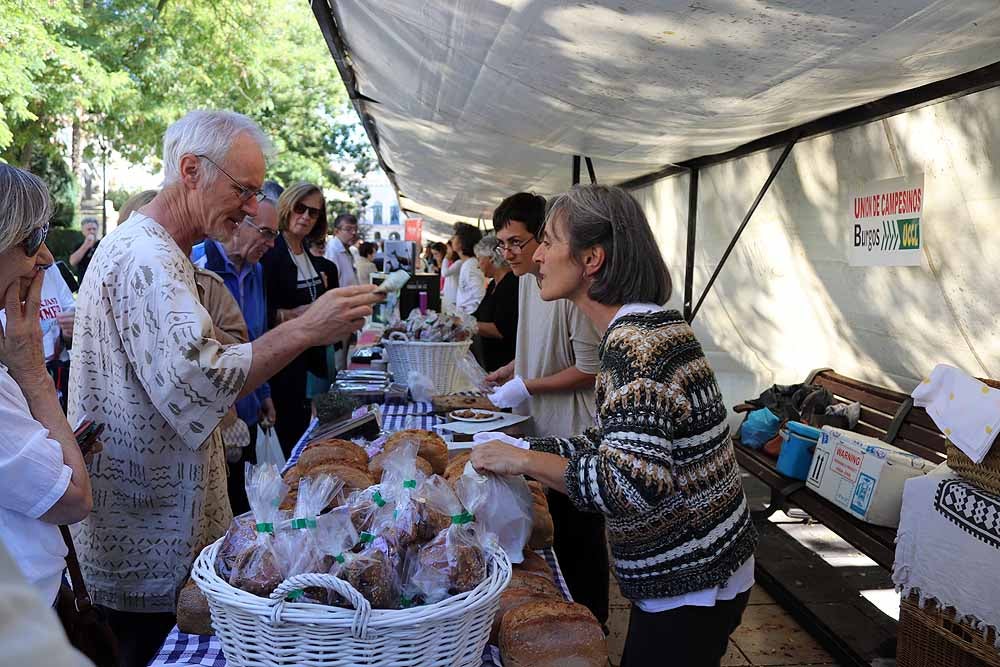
(493, 416)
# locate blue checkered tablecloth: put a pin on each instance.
(181, 649)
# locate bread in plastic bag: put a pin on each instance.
(403, 521)
(363, 505)
(373, 572)
(296, 545)
(454, 561)
(255, 569)
(502, 505)
(239, 538)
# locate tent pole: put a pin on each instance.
(590, 170)
(576, 170)
(692, 228)
(743, 225)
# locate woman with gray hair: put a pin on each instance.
(497, 313)
(42, 471)
(659, 463)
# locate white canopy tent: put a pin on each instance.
(469, 101)
(472, 100)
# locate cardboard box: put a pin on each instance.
(862, 475)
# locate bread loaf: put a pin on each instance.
(542, 529)
(193, 614)
(535, 564)
(456, 466)
(552, 633)
(431, 446)
(349, 475)
(524, 587)
(240, 537)
(377, 466)
(333, 451)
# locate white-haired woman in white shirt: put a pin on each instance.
(42, 471)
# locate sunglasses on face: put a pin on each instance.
(268, 233)
(246, 193)
(35, 239)
(301, 208)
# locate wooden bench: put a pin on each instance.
(885, 414)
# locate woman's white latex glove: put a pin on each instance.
(511, 394)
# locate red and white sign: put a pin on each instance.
(846, 463)
(414, 230)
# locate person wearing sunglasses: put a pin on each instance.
(294, 278)
(237, 262)
(149, 365)
(43, 475)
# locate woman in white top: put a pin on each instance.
(366, 262)
(42, 471)
(471, 281)
(450, 268)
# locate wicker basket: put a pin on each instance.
(985, 475)
(438, 361)
(931, 637)
(261, 632)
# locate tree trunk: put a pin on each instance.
(76, 150)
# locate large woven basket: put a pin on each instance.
(985, 475)
(437, 361)
(262, 632)
(931, 637)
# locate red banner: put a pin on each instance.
(414, 230)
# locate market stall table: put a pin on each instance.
(186, 650)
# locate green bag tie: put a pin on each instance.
(409, 483)
(265, 528)
(377, 497)
(339, 558)
(464, 517)
(295, 595)
(405, 602)
(367, 537)
(303, 523)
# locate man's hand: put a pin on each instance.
(339, 313)
(502, 374)
(500, 458)
(21, 339)
(268, 415)
(66, 319)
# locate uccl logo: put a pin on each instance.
(849, 455)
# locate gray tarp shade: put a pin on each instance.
(475, 99)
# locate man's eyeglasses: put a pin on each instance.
(513, 246)
(268, 233)
(246, 193)
(35, 239)
(299, 208)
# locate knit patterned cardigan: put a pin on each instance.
(659, 464)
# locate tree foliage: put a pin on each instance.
(122, 70)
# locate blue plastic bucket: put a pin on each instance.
(797, 449)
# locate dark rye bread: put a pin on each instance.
(193, 615)
(552, 633)
(431, 446)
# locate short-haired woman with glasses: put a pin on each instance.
(658, 464)
(294, 278)
(42, 472)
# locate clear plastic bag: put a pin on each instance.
(474, 374)
(296, 545)
(400, 521)
(255, 570)
(453, 562)
(374, 572)
(502, 506)
(421, 387)
(362, 506)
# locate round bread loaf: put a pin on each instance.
(431, 446)
(542, 528)
(193, 614)
(535, 564)
(377, 466)
(535, 584)
(511, 599)
(333, 451)
(456, 466)
(552, 633)
(348, 474)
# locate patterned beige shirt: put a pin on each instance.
(146, 366)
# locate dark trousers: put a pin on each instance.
(237, 476)
(140, 636)
(682, 637)
(582, 549)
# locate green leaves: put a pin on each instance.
(125, 69)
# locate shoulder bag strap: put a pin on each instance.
(80, 594)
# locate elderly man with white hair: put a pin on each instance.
(147, 366)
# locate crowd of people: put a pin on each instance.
(219, 302)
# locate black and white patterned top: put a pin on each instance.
(145, 366)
